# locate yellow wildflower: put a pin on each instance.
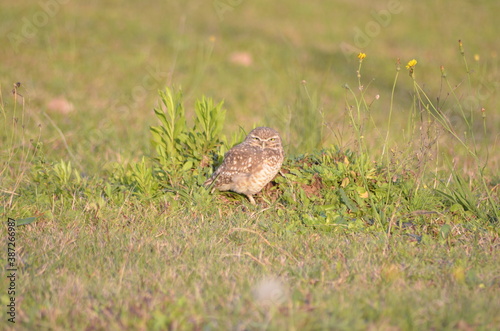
(361, 56)
(411, 64)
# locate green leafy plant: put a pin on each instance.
(136, 177)
(182, 152)
(168, 138)
(58, 178)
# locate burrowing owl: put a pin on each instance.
(249, 166)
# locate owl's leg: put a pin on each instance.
(252, 201)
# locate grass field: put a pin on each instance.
(386, 215)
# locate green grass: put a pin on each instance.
(190, 271)
(385, 217)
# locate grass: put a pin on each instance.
(193, 271)
(385, 217)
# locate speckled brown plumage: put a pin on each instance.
(249, 166)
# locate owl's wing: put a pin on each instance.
(230, 158)
(234, 154)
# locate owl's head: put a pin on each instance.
(264, 137)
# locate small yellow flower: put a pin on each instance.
(361, 56)
(411, 64)
(443, 72)
(461, 47)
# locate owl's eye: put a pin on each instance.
(256, 138)
(272, 139)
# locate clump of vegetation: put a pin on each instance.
(183, 154)
(182, 150)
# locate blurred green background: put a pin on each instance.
(92, 69)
